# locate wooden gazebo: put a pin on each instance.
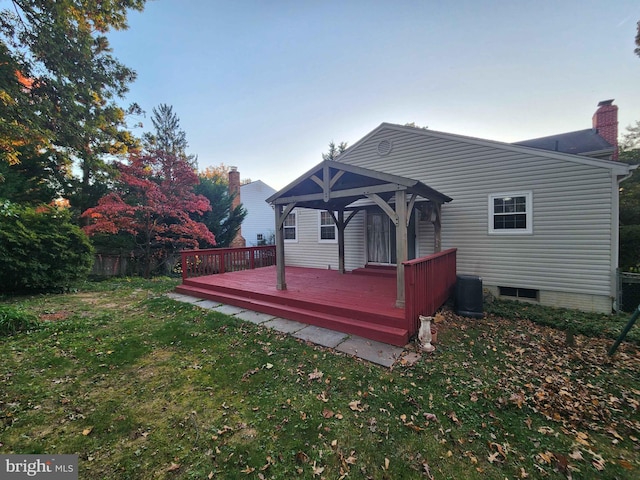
(344, 189)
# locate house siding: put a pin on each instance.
(260, 217)
(307, 250)
(568, 255)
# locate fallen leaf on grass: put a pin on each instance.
(356, 406)
(546, 457)
(87, 431)
(581, 438)
(598, 462)
(626, 465)
(454, 418)
(173, 467)
(326, 413)
(576, 455)
(493, 457)
(427, 470)
(317, 470)
(316, 374)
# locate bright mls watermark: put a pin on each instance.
(49, 467)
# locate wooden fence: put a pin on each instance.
(196, 263)
(428, 283)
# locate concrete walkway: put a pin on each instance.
(370, 350)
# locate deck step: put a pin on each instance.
(376, 270)
(355, 311)
(382, 333)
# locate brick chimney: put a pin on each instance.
(234, 189)
(605, 122)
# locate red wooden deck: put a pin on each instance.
(355, 303)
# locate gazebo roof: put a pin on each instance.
(332, 185)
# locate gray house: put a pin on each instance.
(536, 224)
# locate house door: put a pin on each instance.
(381, 238)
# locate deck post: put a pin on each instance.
(437, 224)
(281, 282)
(341, 226)
(401, 245)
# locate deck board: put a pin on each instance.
(356, 298)
(364, 292)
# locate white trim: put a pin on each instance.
(529, 213)
(335, 230)
(284, 227)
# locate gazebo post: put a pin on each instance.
(437, 228)
(281, 282)
(341, 226)
(401, 245)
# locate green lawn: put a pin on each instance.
(144, 387)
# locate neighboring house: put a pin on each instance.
(257, 227)
(535, 223)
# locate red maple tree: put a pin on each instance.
(152, 200)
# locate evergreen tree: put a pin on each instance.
(630, 202)
(59, 84)
(168, 136)
(334, 151)
(222, 220)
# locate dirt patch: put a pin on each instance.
(55, 316)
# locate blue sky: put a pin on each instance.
(265, 85)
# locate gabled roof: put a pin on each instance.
(332, 185)
(616, 167)
(581, 142)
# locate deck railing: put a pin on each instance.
(211, 261)
(428, 283)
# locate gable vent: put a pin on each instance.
(384, 147)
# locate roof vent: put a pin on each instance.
(384, 147)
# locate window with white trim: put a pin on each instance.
(510, 213)
(327, 231)
(290, 228)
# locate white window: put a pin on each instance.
(290, 228)
(510, 213)
(326, 227)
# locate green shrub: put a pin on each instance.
(14, 319)
(41, 249)
(629, 248)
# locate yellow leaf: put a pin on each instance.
(546, 457)
(581, 438)
(87, 431)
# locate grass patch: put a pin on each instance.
(585, 323)
(144, 387)
(14, 319)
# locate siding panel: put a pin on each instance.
(570, 247)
